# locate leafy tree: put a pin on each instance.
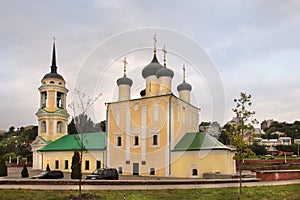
(10, 156)
(11, 129)
(72, 128)
(3, 168)
(76, 166)
(240, 133)
(258, 149)
(224, 136)
(24, 172)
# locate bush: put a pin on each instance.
(3, 168)
(48, 168)
(24, 172)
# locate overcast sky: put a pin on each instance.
(254, 45)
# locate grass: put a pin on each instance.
(284, 192)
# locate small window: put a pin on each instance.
(43, 127)
(87, 165)
(152, 171)
(66, 164)
(60, 127)
(119, 141)
(136, 106)
(127, 162)
(120, 170)
(195, 172)
(44, 82)
(136, 140)
(51, 82)
(154, 140)
(143, 162)
(56, 164)
(59, 83)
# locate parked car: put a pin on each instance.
(106, 173)
(56, 174)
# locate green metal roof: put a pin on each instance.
(199, 141)
(91, 141)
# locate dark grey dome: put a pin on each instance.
(124, 81)
(54, 75)
(184, 86)
(165, 72)
(152, 68)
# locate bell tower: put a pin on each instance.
(52, 113)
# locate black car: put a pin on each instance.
(56, 174)
(106, 173)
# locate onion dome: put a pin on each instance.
(53, 73)
(184, 86)
(124, 80)
(154, 65)
(152, 68)
(165, 71)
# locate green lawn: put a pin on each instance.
(285, 192)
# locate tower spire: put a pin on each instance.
(125, 63)
(155, 40)
(165, 52)
(53, 66)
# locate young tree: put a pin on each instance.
(240, 133)
(81, 105)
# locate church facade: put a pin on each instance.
(154, 135)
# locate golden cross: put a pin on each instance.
(165, 52)
(54, 39)
(125, 63)
(154, 38)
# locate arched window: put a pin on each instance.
(195, 172)
(52, 82)
(43, 126)
(60, 128)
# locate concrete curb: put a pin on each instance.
(122, 182)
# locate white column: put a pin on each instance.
(167, 156)
(172, 125)
(128, 133)
(144, 128)
(40, 161)
(108, 140)
(47, 127)
(54, 127)
(66, 127)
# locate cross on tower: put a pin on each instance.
(155, 40)
(54, 39)
(165, 52)
(125, 63)
(183, 72)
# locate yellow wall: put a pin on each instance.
(204, 161)
(61, 156)
(155, 155)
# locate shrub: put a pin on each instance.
(24, 172)
(3, 168)
(76, 167)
